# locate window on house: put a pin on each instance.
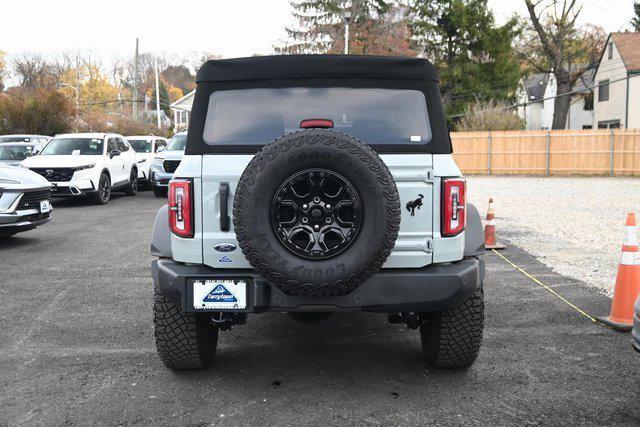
(588, 102)
(610, 50)
(586, 127)
(603, 90)
(609, 124)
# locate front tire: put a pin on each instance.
(452, 338)
(185, 341)
(132, 188)
(159, 192)
(103, 195)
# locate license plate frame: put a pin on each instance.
(219, 294)
(44, 206)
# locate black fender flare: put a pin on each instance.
(474, 233)
(161, 235)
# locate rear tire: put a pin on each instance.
(132, 188)
(103, 195)
(452, 338)
(159, 192)
(184, 340)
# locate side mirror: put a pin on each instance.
(114, 153)
(161, 149)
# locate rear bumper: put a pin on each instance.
(433, 288)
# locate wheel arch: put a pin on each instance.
(161, 235)
(473, 234)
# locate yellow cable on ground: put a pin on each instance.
(548, 288)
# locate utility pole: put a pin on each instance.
(158, 96)
(135, 83)
(347, 18)
(77, 90)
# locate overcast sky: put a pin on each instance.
(227, 27)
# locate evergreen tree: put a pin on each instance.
(475, 58)
(635, 21)
(165, 101)
(377, 27)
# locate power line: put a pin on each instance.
(524, 104)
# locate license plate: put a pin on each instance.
(44, 206)
(219, 294)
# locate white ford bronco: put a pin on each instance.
(314, 184)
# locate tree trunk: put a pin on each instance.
(561, 104)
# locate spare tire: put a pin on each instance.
(316, 213)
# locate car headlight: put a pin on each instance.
(79, 168)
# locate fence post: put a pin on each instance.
(548, 150)
(611, 139)
(489, 153)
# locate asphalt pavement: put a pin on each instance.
(76, 346)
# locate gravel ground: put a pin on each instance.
(573, 225)
(76, 347)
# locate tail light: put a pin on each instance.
(181, 207)
(316, 123)
(454, 206)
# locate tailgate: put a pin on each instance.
(414, 179)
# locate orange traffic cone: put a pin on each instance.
(627, 281)
(490, 229)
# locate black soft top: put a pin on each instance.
(353, 71)
(316, 66)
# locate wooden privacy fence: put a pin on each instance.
(557, 152)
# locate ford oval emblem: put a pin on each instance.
(225, 247)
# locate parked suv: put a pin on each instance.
(40, 140)
(87, 164)
(165, 164)
(316, 184)
(24, 200)
(146, 148)
(12, 153)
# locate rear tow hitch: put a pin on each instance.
(225, 321)
(411, 319)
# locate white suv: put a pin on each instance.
(93, 164)
(146, 147)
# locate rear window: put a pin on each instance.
(375, 116)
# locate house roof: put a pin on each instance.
(181, 100)
(628, 45)
(535, 85)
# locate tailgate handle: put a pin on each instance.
(224, 206)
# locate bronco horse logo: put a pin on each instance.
(411, 206)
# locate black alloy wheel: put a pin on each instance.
(103, 194)
(316, 213)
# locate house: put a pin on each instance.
(618, 82)
(536, 99)
(181, 110)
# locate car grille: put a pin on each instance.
(171, 165)
(55, 174)
(32, 199)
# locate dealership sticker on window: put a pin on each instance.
(416, 138)
(75, 153)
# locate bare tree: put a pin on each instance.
(33, 71)
(560, 48)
